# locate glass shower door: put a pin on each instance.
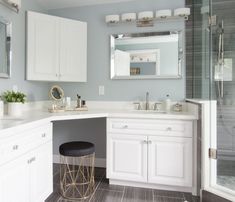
(222, 89)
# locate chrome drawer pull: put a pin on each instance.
(43, 135)
(169, 129)
(31, 160)
(15, 147)
(125, 127)
(145, 142)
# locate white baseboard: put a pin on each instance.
(150, 186)
(99, 162)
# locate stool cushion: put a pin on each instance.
(77, 149)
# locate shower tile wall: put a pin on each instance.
(194, 50)
(197, 64)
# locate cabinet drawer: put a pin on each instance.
(176, 128)
(17, 145)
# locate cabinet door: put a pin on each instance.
(170, 161)
(127, 157)
(73, 50)
(14, 181)
(42, 47)
(41, 178)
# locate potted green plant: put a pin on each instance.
(15, 102)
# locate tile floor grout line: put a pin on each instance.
(153, 195)
(110, 190)
(96, 187)
(123, 194)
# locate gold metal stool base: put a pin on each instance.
(77, 176)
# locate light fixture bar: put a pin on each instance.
(147, 18)
(11, 5)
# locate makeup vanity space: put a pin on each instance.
(145, 150)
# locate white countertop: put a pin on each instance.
(31, 116)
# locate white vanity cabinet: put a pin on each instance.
(148, 151)
(27, 176)
(56, 48)
(170, 161)
(127, 157)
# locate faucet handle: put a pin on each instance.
(138, 105)
(156, 104)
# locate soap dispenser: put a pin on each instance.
(168, 103)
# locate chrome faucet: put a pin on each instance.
(147, 101)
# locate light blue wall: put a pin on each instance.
(34, 90)
(98, 53)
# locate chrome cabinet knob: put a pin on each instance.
(15, 147)
(43, 135)
(125, 126)
(169, 129)
(145, 142)
(31, 160)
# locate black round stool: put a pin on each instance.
(77, 170)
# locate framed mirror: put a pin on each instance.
(153, 55)
(5, 48)
(56, 93)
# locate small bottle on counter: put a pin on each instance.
(168, 103)
(79, 101)
(83, 103)
(1, 108)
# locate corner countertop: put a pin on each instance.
(34, 116)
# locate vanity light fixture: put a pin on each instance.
(163, 13)
(182, 12)
(112, 19)
(12, 4)
(145, 15)
(128, 17)
(147, 18)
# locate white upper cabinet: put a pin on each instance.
(73, 50)
(56, 48)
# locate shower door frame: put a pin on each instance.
(209, 165)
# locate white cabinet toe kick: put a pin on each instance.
(152, 154)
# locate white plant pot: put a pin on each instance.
(15, 108)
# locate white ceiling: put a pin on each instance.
(56, 4)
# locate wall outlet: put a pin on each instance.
(101, 90)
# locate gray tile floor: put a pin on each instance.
(113, 193)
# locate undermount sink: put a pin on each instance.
(149, 111)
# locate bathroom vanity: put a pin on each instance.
(152, 153)
(143, 149)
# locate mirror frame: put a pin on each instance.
(59, 89)
(145, 34)
(9, 51)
